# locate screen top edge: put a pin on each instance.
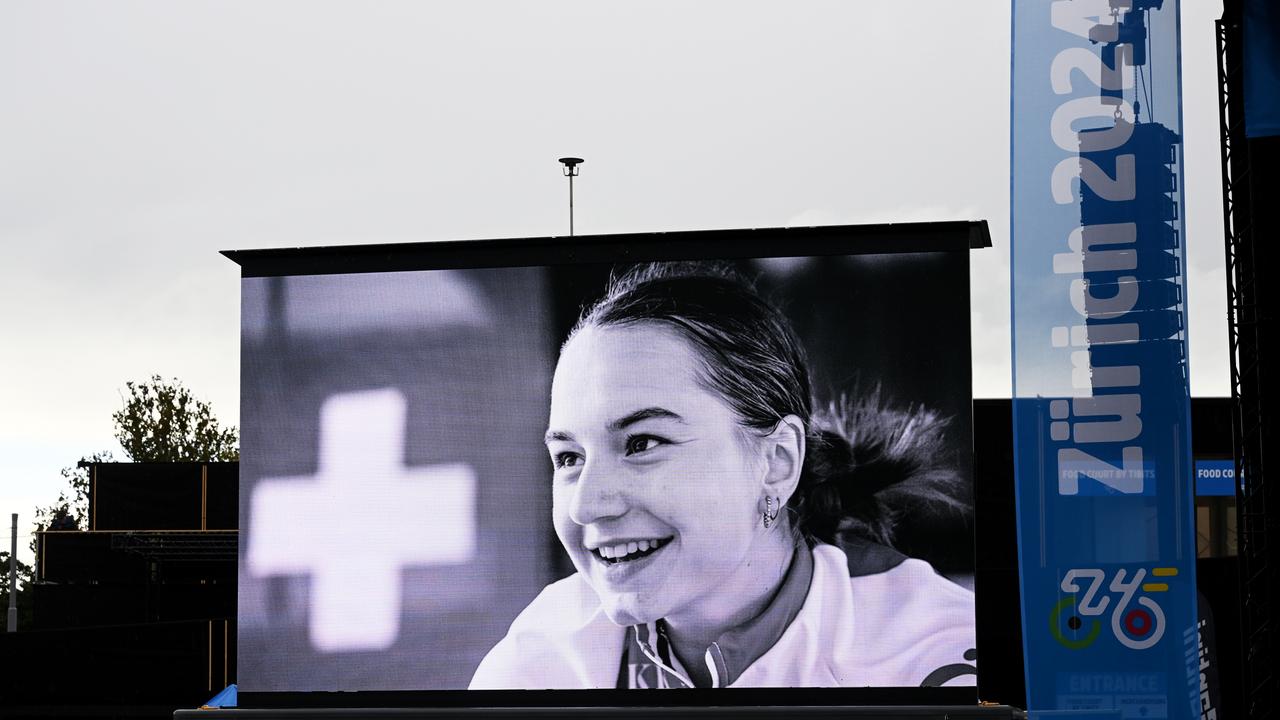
(941, 236)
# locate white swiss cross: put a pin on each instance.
(360, 521)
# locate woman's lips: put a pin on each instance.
(628, 551)
(617, 573)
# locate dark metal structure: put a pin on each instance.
(1250, 178)
(178, 546)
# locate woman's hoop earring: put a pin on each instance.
(770, 513)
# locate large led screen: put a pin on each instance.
(744, 472)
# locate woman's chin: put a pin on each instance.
(626, 611)
(632, 606)
(631, 591)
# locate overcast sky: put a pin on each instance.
(137, 139)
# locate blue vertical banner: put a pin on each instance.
(1261, 68)
(1101, 394)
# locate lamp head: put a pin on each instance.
(571, 165)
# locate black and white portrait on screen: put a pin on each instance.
(702, 501)
(624, 509)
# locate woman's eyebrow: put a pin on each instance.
(645, 414)
(556, 435)
(619, 424)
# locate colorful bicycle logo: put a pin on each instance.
(1137, 628)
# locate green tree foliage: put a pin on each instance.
(162, 422)
(24, 589)
(70, 512)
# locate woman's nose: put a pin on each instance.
(596, 495)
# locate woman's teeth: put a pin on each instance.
(630, 550)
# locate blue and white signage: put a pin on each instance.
(1101, 392)
(1216, 478)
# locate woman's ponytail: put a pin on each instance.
(868, 463)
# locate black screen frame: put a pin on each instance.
(839, 240)
(951, 236)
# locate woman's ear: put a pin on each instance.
(784, 458)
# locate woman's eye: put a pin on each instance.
(566, 460)
(642, 443)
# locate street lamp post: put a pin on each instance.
(571, 171)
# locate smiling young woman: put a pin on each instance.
(723, 533)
